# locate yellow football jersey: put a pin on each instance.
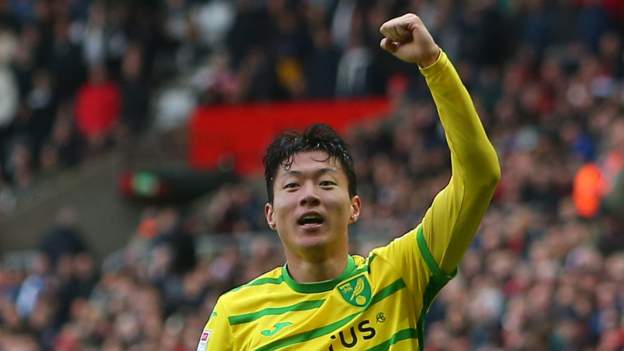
(373, 305)
(379, 302)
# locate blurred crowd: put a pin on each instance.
(77, 76)
(546, 272)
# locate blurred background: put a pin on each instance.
(132, 132)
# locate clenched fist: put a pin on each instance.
(408, 39)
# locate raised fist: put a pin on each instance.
(407, 38)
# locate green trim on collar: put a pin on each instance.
(318, 287)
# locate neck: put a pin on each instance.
(308, 271)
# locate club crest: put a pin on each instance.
(356, 291)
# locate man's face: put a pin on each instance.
(311, 205)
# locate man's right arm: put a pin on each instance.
(217, 334)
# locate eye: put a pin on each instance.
(291, 185)
(327, 183)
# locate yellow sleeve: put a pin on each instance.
(453, 219)
(217, 334)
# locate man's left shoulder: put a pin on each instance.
(406, 241)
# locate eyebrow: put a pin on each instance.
(318, 172)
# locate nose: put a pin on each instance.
(309, 196)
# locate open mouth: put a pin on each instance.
(311, 219)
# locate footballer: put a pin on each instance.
(323, 298)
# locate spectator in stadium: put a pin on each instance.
(312, 199)
(97, 107)
(134, 92)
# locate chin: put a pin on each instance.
(313, 241)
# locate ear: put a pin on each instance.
(268, 214)
(356, 206)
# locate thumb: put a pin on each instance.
(389, 45)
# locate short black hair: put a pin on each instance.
(317, 137)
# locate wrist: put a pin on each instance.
(430, 58)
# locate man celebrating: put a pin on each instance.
(325, 299)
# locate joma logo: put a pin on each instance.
(350, 338)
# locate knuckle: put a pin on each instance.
(413, 17)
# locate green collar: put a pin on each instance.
(318, 287)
